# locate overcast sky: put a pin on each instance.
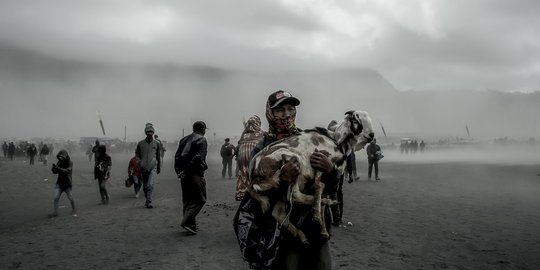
(425, 45)
(481, 44)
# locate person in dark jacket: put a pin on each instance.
(190, 165)
(31, 152)
(227, 154)
(374, 154)
(11, 150)
(5, 148)
(44, 152)
(102, 172)
(148, 152)
(271, 247)
(64, 169)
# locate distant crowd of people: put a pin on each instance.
(412, 147)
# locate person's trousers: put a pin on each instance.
(337, 209)
(57, 192)
(309, 257)
(103, 190)
(373, 163)
(193, 198)
(32, 160)
(227, 164)
(137, 183)
(148, 180)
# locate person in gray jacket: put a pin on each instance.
(148, 152)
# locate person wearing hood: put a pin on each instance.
(64, 169)
(148, 152)
(102, 172)
(32, 152)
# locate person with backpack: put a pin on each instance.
(227, 154)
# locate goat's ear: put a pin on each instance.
(349, 112)
(332, 125)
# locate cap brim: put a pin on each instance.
(288, 100)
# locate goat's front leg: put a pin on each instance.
(280, 214)
(318, 214)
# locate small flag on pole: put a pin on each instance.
(384, 132)
(101, 123)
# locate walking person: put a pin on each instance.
(11, 150)
(102, 172)
(374, 154)
(134, 172)
(5, 149)
(64, 169)
(227, 154)
(190, 165)
(44, 153)
(250, 137)
(31, 152)
(148, 152)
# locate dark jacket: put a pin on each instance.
(64, 170)
(191, 155)
(259, 236)
(373, 151)
(227, 151)
(103, 164)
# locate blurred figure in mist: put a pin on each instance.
(44, 153)
(89, 152)
(102, 172)
(31, 152)
(134, 172)
(227, 154)
(5, 148)
(11, 150)
(149, 153)
(374, 154)
(422, 146)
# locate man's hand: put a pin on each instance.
(321, 162)
(290, 171)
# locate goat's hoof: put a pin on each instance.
(325, 235)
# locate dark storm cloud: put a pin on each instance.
(189, 56)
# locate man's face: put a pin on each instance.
(149, 134)
(284, 111)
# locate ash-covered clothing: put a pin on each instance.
(64, 169)
(148, 152)
(191, 155)
(250, 137)
(272, 248)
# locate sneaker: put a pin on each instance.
(53, 215)
(357, 178)
(191, 229)
(350, 180)
(149, 205)
(137, 195)
(74, 213)
(377, 178)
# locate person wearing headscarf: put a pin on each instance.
(251, 135)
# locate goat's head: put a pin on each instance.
(353, 132)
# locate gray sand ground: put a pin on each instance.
(445, 215)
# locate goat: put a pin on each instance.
(337, 142)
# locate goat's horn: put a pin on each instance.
(349, 112)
